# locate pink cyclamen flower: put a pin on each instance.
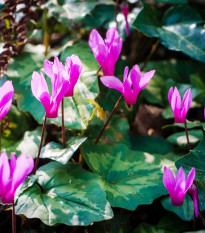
(6, 95)
(125, 11)
(106, 52)
(179, 108)
(12, 174)
(132, 83)
(178, 187)
(60, 87)
(194, 195)
(71, 72)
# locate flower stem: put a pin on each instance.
(154, 47)
(13, 219)
(40, 146)
(63, 126)
(106, 123)
(187, 136)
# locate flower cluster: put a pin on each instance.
(63, 80)
(179, 186)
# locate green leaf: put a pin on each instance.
(180, 138)
(173, 1)
(116, 132)
(77, 109)
(27, 145)
(15, 123)
(169, 222)
(194, 158)
(181, 31)
(187, 38)
(146, 228)
(148, 144)
(181, 13)
(148, 21)
(66, 194)
(127, 176)
(56, 152)
(173, 73)
(69, 11)
(185, 211)
(97, 16)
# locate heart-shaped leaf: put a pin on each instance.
(129, 178)
(66, 194)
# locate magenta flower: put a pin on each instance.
(13, 174)
(132, 83)
(194, 195)
(58, 73)
(178, 187)
(106, 52)
(179, 109)
(125, 11)
(39, 87)
(6, 95)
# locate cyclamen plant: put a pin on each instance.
(63, 80)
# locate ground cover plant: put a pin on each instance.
(101, 115)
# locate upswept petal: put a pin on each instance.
(135, 77)
(38, 85)
(129, 95)
(6, 92)
(168, 180)
(112, 36)
(12, 163)
(48, 68)
(97, 46)
(74, 68)
(196, 205)
(113, 45)
(170, 94)
(125, 75)
(40, 90)
(190, 179)
(180, 187)
(4, 173)
(5, 108)
(24, 166)
(176, 105)
(145, 79)
(112, 82)
(186, 103)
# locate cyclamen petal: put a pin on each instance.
(13, 174)
(194, 195)
(132, 83)
(178, 187)
(179, 108)
(106, 52)
(73, 68)
(6, 95)
(112, 82)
